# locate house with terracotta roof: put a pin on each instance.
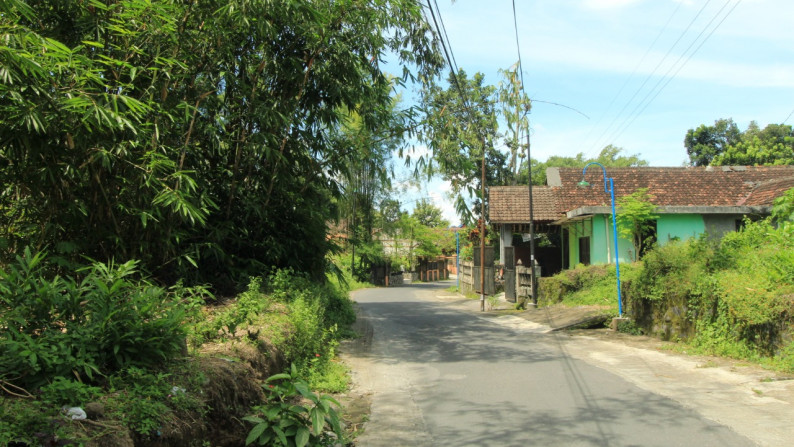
(574, 224)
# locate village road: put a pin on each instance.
(441, 375)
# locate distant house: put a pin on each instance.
(574, 223)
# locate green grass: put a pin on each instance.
(331, 377)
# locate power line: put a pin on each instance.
(789, 116)
(518, 47)
(667, 79)
(631, 76)
(600, 139)
(447, 52)
(444, 29)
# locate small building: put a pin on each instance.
(575, 223)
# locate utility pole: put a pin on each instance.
(534, 280)
(482, 231)
(353, 238)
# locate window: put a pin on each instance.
(584, 250)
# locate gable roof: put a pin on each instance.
(720, 186)
(766, 192)
(510, 204)
(714, 189)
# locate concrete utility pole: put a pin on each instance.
(534, 280)
(482, 231)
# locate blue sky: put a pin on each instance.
(643, 71)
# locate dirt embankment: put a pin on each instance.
(232, 374)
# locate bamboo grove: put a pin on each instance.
(209, 139)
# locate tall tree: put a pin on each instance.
(199, 137)
(460, 130)
(515, 109)
(707, 142)
(429, 215)
(774, 145)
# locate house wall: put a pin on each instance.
(505, 239)
(670, 227)
(602, 246)
(581, 228)
(719, 224)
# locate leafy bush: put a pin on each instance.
(144, 399)
(62, 391)
(59, 326)
(284, 421)
(737, 294)
(670, 272)
(28, 422)
(247, 309)
(586, 285)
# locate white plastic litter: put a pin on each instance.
(177, 390)
(75, 413)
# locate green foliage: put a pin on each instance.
(144, 399)
(586, 285)
(312, 312)
(672, 272)
(783, 209)
(718, 335)
(62, 391)
(59, 326)
(774, 145)
(736, 293)
(429, 215)
(247, 310)
(284, 421)
(636, 218)
(610, 156)
(339, 276)
(21, 420)
(724, 144)
(329, 376)
(460, 132)
(707, 142)
(515, 107)
(207, 139)
(629, 327)
(141, 401)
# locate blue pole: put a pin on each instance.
(615, 238)
(614, 225)
(457, 256)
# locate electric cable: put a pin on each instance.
(665, 79)
(600, 139)
(631, 76)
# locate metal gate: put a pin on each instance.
(510, 274)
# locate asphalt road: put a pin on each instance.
(443, 377)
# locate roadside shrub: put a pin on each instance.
(293, 415)
(61, 326)
(587, 285)
(146, 400)
(247, 309)
(62, 391)
(29, 422)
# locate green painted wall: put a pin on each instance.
(582, 228)
(679, 226)
(603, 247)
(599, 228)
